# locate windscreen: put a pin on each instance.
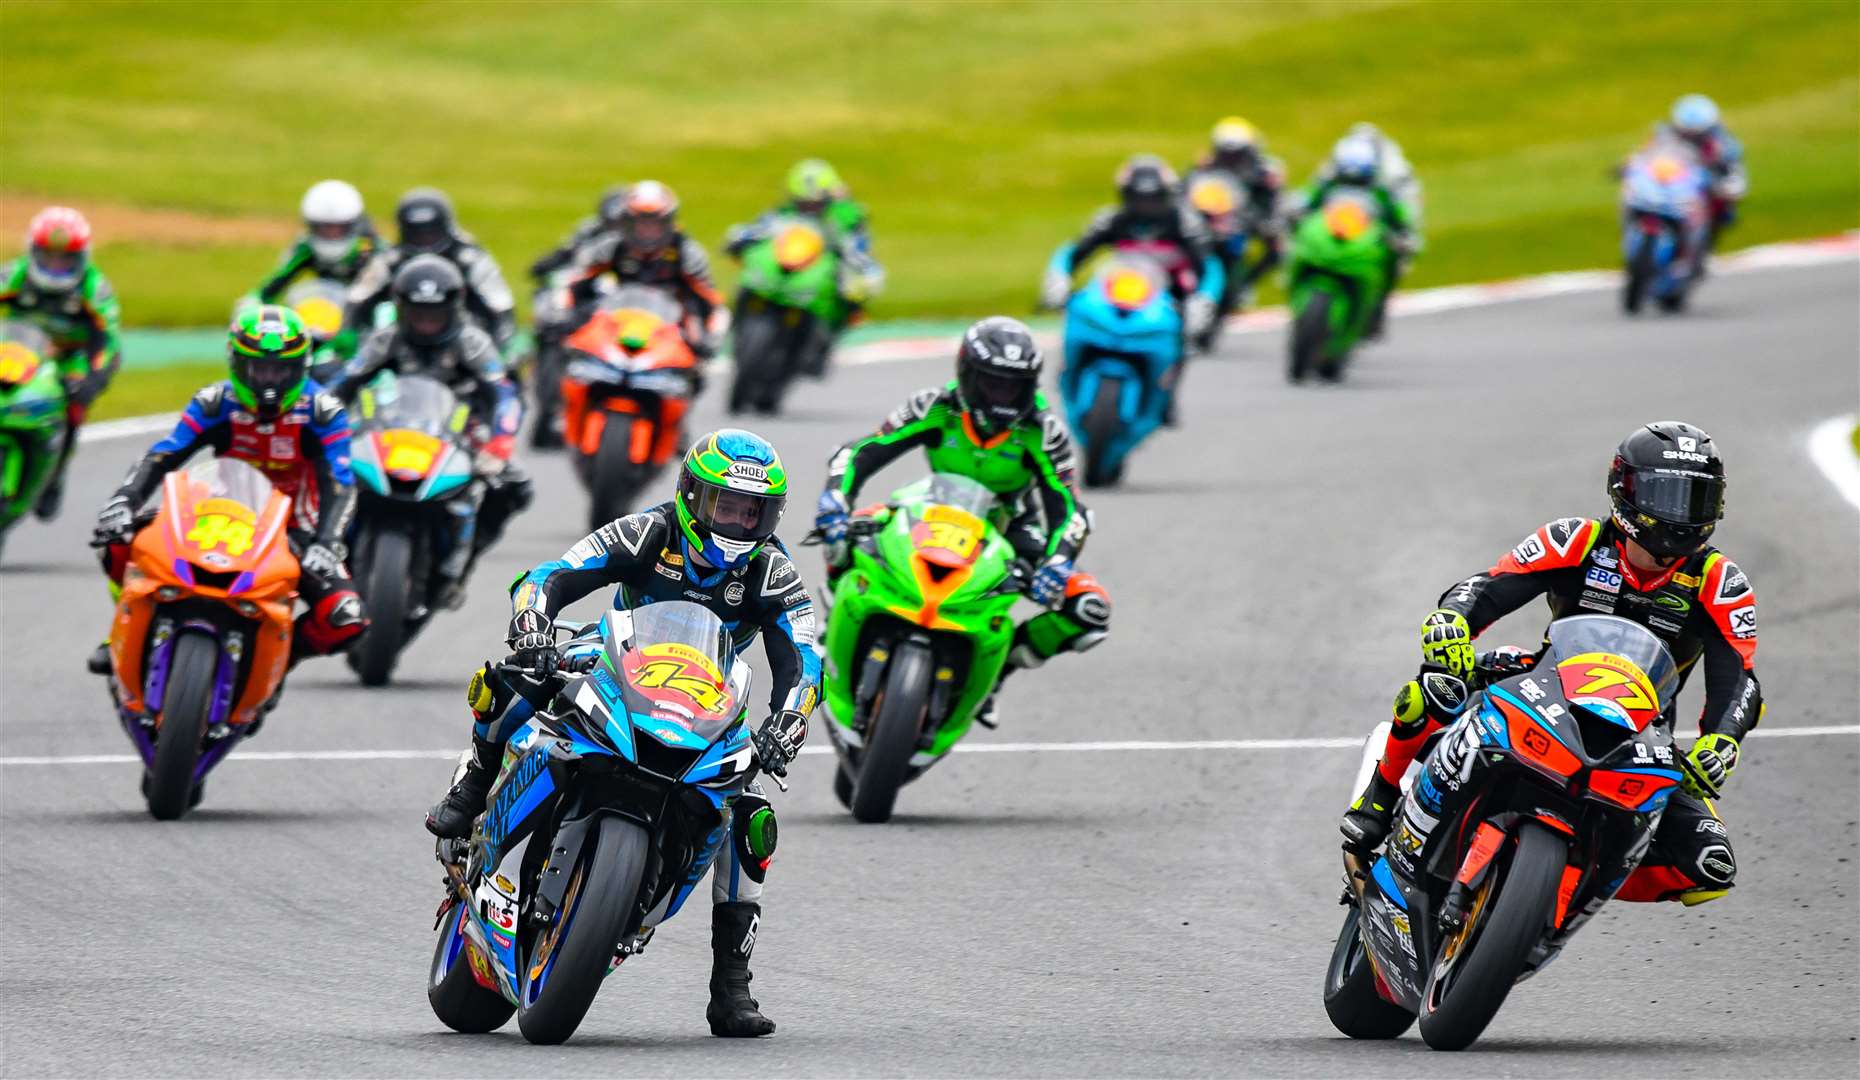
(643, 298)
(412, 402)
(1580, 635)
(27, 335)
(677, 667)
(949, 489)
(229, 478)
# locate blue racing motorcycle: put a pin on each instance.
(1664, 215)
(613, 801)
(1123, 342)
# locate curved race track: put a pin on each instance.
(1053, 912)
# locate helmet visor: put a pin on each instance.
(424, 235)
(646, 233)
(1677, 498)
(427, 320)
(734, 515)
(271, 380)
(57, 264)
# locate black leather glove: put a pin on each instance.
(779, 740)
(116, 522)
(532, 642)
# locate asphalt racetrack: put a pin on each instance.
(1084, 911)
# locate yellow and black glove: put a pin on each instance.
(1708, 765)
(1446, 643)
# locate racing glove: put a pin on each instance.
(319, 561)
(778, 741)
(1708, 764)
(1446, 642)
(1048, 586)
(1197, 314)
(1055, 290)
(532, 642)
(116, 522)
(831, 516)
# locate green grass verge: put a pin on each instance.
(142, 391)
(980, 134)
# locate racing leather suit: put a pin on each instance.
(488, 298)
(471, 366)
(1031, 468)
(1182, 246)
(1703, 608)
(646, 556)
(85, 324)
(1263, 185)
(680, 266)
(300, 258)
(305, 455)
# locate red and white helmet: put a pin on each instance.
(57, 249)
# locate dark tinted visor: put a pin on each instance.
(423, 235)
(426, 320)
(999, 391)
(269, 377)
(1677, 498)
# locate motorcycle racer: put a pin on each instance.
(991, 424)
(432, 336)
(1238, 149)
(714, 544)
(427, 226)
(1648, 562)
(1362, 160)
(338, 240)
(56, 287)
(270, 414)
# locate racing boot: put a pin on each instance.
(98, 662)
(52, 497)
(451, 817)
(1371, 816)
(732, 1013)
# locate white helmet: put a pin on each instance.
(330, 204)
(1694, 115)
(1353, 159)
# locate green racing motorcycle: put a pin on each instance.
(790, 300)
(1337, 271)
(918, 634)
(32, 418)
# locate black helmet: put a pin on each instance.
(997, 372)
(424, 217)
(1667, 486)
(429, 296)
(1146, 188)
(612, 205)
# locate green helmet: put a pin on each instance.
(732, 490)
(269, 349)
(813, 183)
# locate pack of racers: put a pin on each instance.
(454, 318)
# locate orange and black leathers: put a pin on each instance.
(681, 266)
(1703, 608)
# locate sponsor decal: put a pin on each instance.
(1684, 455)
(1689, 444)
(795, 598)
(1658, 622)
(667, 571)
(1734, 585)
(283, 445)
(1687, 580)
(1673, 600)
(1605, 557)
(780, 575)
(1744, 622)
(1530, 551)
(588, 547)
(733, 593)
(1595, 601)
(670, 557)
(1530, 690)
(1605, 580)
(1712, 826)
(747, 470)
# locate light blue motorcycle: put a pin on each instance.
(612, 804)
(1664, 214)
(1123, 345)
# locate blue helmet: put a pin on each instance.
(1694, 114)
(1353, 159)
(732, 490)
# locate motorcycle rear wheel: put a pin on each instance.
(1639, 277)
(615, 480)
(1350, 997)
(1500, 935)
(453, 991)
(898, 717)
(185, 710)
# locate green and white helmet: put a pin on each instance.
(732, 490)
(813, 183)
(269, 350)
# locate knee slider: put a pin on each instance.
(1410, 710)
(752, 828)
(486, 694)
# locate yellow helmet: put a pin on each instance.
(1234, 134)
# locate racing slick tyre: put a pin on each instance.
(185, 710)
(898, 717)
(1639, 277)
(1350, 996)
(1100, 426)
(564, 964)
(614, 480)
(388, 591)
(453, 991)
(1309, 332)
(1468, 985)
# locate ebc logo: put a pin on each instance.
(1605, 580)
